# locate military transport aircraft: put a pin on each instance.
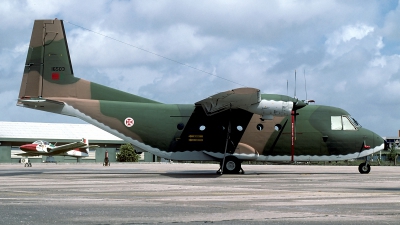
(230, 127)
(76, 149)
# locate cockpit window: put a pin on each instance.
(354, 121)
(342, 123)
(347, 125)
(336, 122)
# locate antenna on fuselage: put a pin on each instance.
(295, 84)
(305, 83)
(287, 87)
(305, 88)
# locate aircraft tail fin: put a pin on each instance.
(48, 74)
(48, 62)
(85, 149)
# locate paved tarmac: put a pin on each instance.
(194, 194)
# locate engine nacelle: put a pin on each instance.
(267, 109)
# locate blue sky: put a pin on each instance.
(349, 50)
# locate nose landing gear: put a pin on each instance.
(364, 168)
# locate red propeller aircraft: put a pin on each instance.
(39, 147)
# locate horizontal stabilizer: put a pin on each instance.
(26, 154)
(90, 146)
(35, 102)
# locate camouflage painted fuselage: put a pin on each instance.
(183, 132)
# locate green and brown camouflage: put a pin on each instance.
(231, 126)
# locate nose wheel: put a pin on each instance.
(364, 168)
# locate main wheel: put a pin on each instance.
(232, 165)
(364, 168)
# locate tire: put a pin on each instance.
(232, 165)
(364, 168)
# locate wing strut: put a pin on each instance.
(230, 159)
(228, 137)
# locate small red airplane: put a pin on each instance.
(40, 147)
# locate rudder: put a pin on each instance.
(86, 148)
(48, 61)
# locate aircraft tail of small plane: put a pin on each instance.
(85, 149)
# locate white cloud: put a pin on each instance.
(337, 43)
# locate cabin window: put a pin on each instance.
(180, 126)
(341, 123)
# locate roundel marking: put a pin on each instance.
(129, 122)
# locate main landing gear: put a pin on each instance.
(26, 162)
(232, 165)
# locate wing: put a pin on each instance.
(248, 99)
(233, 99)
(65, 148)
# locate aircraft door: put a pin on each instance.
(209, 133)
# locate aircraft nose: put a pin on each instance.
(378, 142)
(28, 147)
